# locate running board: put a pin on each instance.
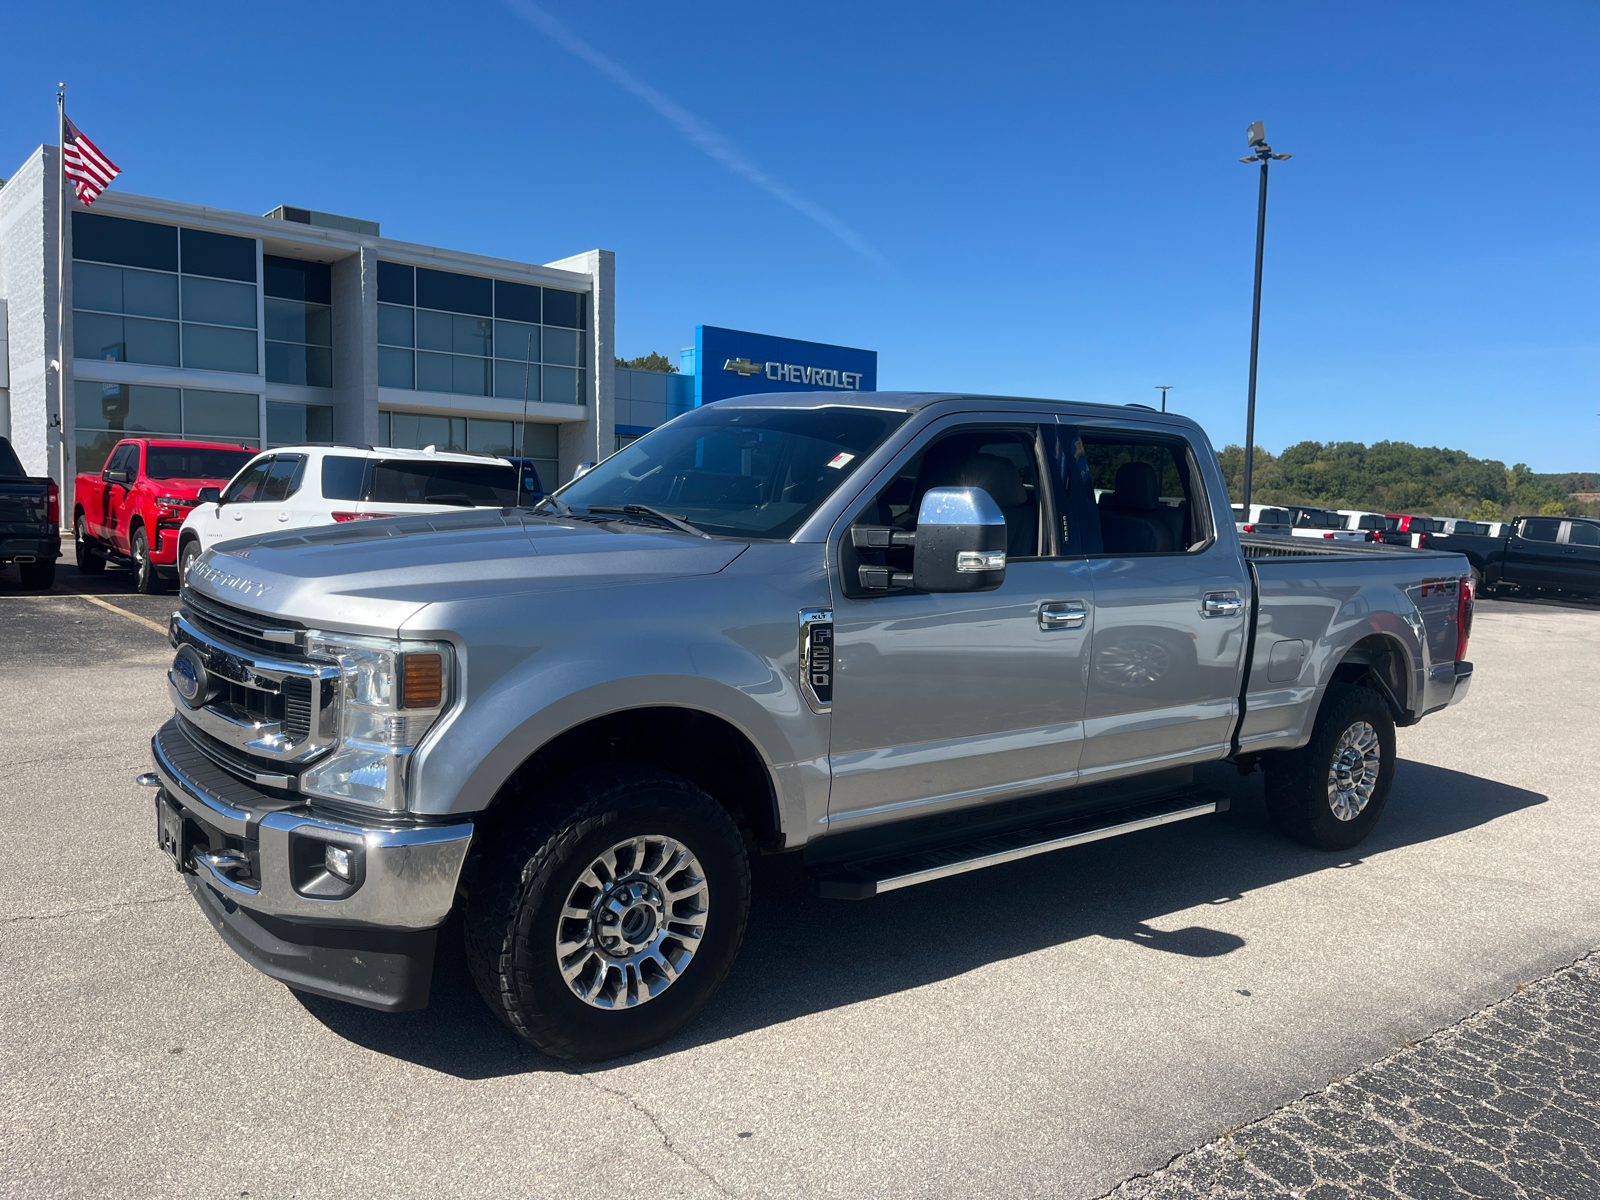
(872, 877)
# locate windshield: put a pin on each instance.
(739, 472)
(193, 462)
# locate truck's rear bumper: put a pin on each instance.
(1463, 683)
(43, 549)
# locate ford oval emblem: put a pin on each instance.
(190, 677)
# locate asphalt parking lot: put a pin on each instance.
(1052, 1027)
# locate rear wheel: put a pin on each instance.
(147, 580)
(89, 562)
(37, 576)
(1331, 793)
(605, 924)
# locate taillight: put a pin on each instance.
(1327, 537)
(1464, 603)
(1247, 529)
(53, 503)
(354, 516)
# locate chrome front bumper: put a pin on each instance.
(410, 871)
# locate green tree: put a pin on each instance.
(1487, 510)
(1552, 508)
(649, 362)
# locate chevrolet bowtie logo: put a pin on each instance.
(744, 366)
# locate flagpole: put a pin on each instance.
(61, 293)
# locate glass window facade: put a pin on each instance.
(299, 321)
(164, 296)
(109, 412)
(297, 423)
(534, 440)
(439, 331)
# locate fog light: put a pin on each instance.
(340, 861)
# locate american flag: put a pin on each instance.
(90, 171)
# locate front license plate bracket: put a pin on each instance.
(172, 832)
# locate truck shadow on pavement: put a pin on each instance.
(803, 954)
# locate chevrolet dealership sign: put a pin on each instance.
(731, 362)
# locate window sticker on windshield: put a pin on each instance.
(839, 460)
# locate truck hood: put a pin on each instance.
(372, 576)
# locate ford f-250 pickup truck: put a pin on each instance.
(897, 634)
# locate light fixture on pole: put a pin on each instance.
(1256, 137)
(1163, 388)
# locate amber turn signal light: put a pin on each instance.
(423, 681)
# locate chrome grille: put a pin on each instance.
(267, 634)
(297, 709)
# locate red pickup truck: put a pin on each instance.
(130, 512)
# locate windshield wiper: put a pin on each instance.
(633, 510)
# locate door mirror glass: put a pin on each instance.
(960, 542)
(210, 495)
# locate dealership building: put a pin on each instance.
(186, 321)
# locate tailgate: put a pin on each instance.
(24, 507)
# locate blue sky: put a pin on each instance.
(1016, 198)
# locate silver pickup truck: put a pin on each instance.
(906, 636)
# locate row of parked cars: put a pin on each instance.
(157, 504)
(1531, 554)
(1356, 525)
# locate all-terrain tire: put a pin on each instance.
(38, 576)
(1306, 790)
(89, 562)
(519, 893)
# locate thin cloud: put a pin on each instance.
(697, 131)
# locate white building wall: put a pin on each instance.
(27, 275)
(594, 439)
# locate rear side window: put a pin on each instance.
(1147, 494)
(401, 481)
(343, 477)
(1579, 534)
(1540, 529)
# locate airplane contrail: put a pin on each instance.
(697, 131)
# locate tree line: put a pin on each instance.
(1397, 477)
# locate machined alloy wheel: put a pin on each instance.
(89, 562)
(1353, 774)
(145, 580)
(186, 557)
(1331, 792)
(632, 922)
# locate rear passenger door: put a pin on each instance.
(1580, 557)
(1171, 604)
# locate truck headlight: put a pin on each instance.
(390, 695)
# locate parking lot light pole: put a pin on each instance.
(1256, 137)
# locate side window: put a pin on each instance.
(283, 478)
(1005, 461)
(1540, 529)
(125, 459)
(1579, 534)
(1147, 494)
(247, 487)
(343, 477)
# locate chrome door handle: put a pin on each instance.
(1063, 614)
(1221, 604)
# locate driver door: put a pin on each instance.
(234, 517)
(949, 701)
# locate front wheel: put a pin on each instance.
(186, 557)
(1330, 793)
(605, 924)
(146, 580)
(89, 562)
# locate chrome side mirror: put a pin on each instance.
(961, 542)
